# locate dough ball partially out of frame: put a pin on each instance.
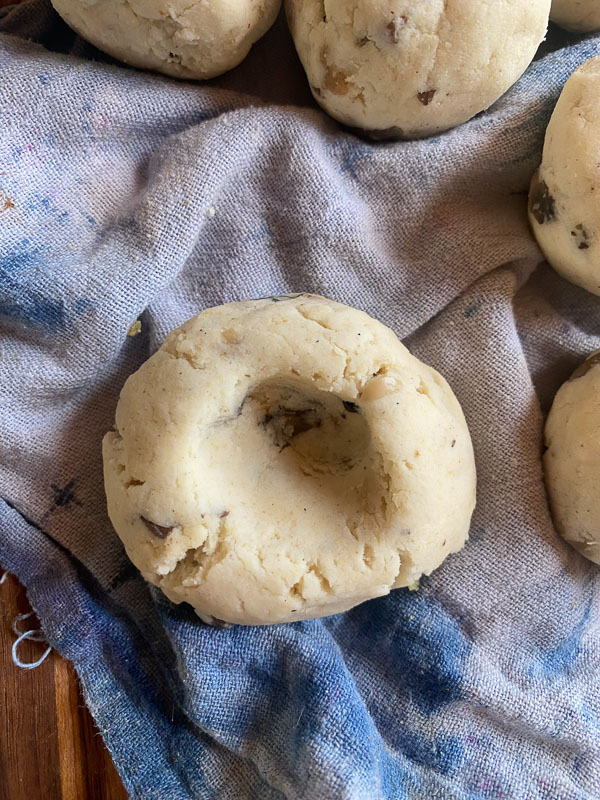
(195, 40)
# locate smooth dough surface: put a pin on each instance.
(564, 197)
(576, 15)
(284, 459)
(397, 68)
(194, 39)
(572, 460)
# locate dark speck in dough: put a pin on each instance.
(160, 531)
(426, 97)
(581, 237)
(353, 408)
(541, 202)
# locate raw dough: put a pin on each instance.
(564, 198)
(284, 459)
(576, 15)
(396, 68)
(194, 39)
(572, 460)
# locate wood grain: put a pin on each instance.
(50, 747)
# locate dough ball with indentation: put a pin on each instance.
(576, 15)
(287, 458)
(400, 69)
(572, 459)
(564, 197)
(195, 40)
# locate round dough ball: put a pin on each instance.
(397, 68)
(284, 459)
(564, 197)
(572, 460)
(197, 39)
(576, 15)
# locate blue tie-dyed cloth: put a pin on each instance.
(126, 195)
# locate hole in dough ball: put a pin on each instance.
(300, 456)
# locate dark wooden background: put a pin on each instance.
(50, 748)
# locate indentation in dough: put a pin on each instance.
(305, 587)
(188, 570)
(295, 590)
(183, 355)
(300, 460)
(325, 585)
(422, 389)
(195, 562)
(380, 385)
(183, 348)
(405, 569)
(325, 433)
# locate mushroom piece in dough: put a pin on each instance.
(284, 459)
(195, 40)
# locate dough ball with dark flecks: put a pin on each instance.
(564, 197)
(193, 39)
(572, 459)
(400, 69)
(284, 459)
(580, 16)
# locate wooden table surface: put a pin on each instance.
(50, 748)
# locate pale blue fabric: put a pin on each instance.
(128, 195)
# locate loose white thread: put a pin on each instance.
(33, 636)
(33, 664)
